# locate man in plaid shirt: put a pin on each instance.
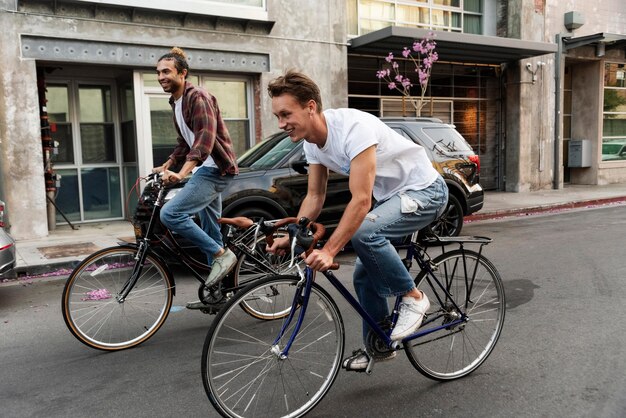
(206, 149)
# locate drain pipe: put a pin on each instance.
(558, 120)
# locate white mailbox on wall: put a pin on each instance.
(579, 153)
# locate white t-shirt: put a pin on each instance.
(401, 164)
(187, 133)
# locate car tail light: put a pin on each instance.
(6, 246)
(476, 160)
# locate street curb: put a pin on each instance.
(47, 269)
(542, 209)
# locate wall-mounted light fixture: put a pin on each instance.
(529, 68)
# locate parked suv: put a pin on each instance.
(272, 180)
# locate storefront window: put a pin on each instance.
(233, 101)
(366, 16)
(60, 123)
(85, 120)
(614, 113)
(96, 125)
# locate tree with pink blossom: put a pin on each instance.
(423, 55)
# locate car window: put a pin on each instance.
(267, 153)
(447, 141)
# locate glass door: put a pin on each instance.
(86, 126)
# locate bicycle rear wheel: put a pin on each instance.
(244, 375)
(91, 309)
(257, 265)
(476, 287)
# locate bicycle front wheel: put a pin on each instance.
(91, 307)
(476, 287)
(243, 372)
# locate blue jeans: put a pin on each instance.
(201, 195)
(379, 272)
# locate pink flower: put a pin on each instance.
(406, 52)
(391, 85)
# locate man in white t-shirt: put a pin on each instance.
(408, 191)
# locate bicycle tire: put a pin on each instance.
(455, 352)
(92, 312)
(243, 377)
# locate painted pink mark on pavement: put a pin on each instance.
(98, 294)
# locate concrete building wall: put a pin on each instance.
(530, 100)
(310, 36)
(531, 143)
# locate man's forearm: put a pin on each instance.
(348, 224)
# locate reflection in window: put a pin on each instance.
(231, 97)
(60, 125)
(614, 113)
(163, 131)
(101, 193)
(67, 199)
(365, 16)
(97, 135)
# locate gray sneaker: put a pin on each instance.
(196, 305)
(359, 360)
(221, 266)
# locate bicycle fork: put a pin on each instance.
(140, 259)
(303, 292)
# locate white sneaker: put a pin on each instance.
(221, 266)
(410, 317)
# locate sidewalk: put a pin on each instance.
(64, 247)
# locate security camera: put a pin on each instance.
(528, 65)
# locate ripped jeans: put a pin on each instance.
(379, 272)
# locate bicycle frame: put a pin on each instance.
(414, 252)
(173, 249)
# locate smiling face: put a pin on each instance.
(292, 116)
(171, 80)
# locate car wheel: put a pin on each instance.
(451, 222)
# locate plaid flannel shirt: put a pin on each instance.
(202, 114)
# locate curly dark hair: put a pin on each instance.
(180, 59)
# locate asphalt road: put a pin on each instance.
(562, 351)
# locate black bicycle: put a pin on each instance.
(284, 368)
(120, 296)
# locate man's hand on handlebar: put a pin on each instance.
(319, 260)
(279, 246)
(170, 177)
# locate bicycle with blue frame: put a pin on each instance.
(283, 368)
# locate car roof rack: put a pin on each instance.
(411, 119)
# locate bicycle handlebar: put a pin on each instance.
(305, 236)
